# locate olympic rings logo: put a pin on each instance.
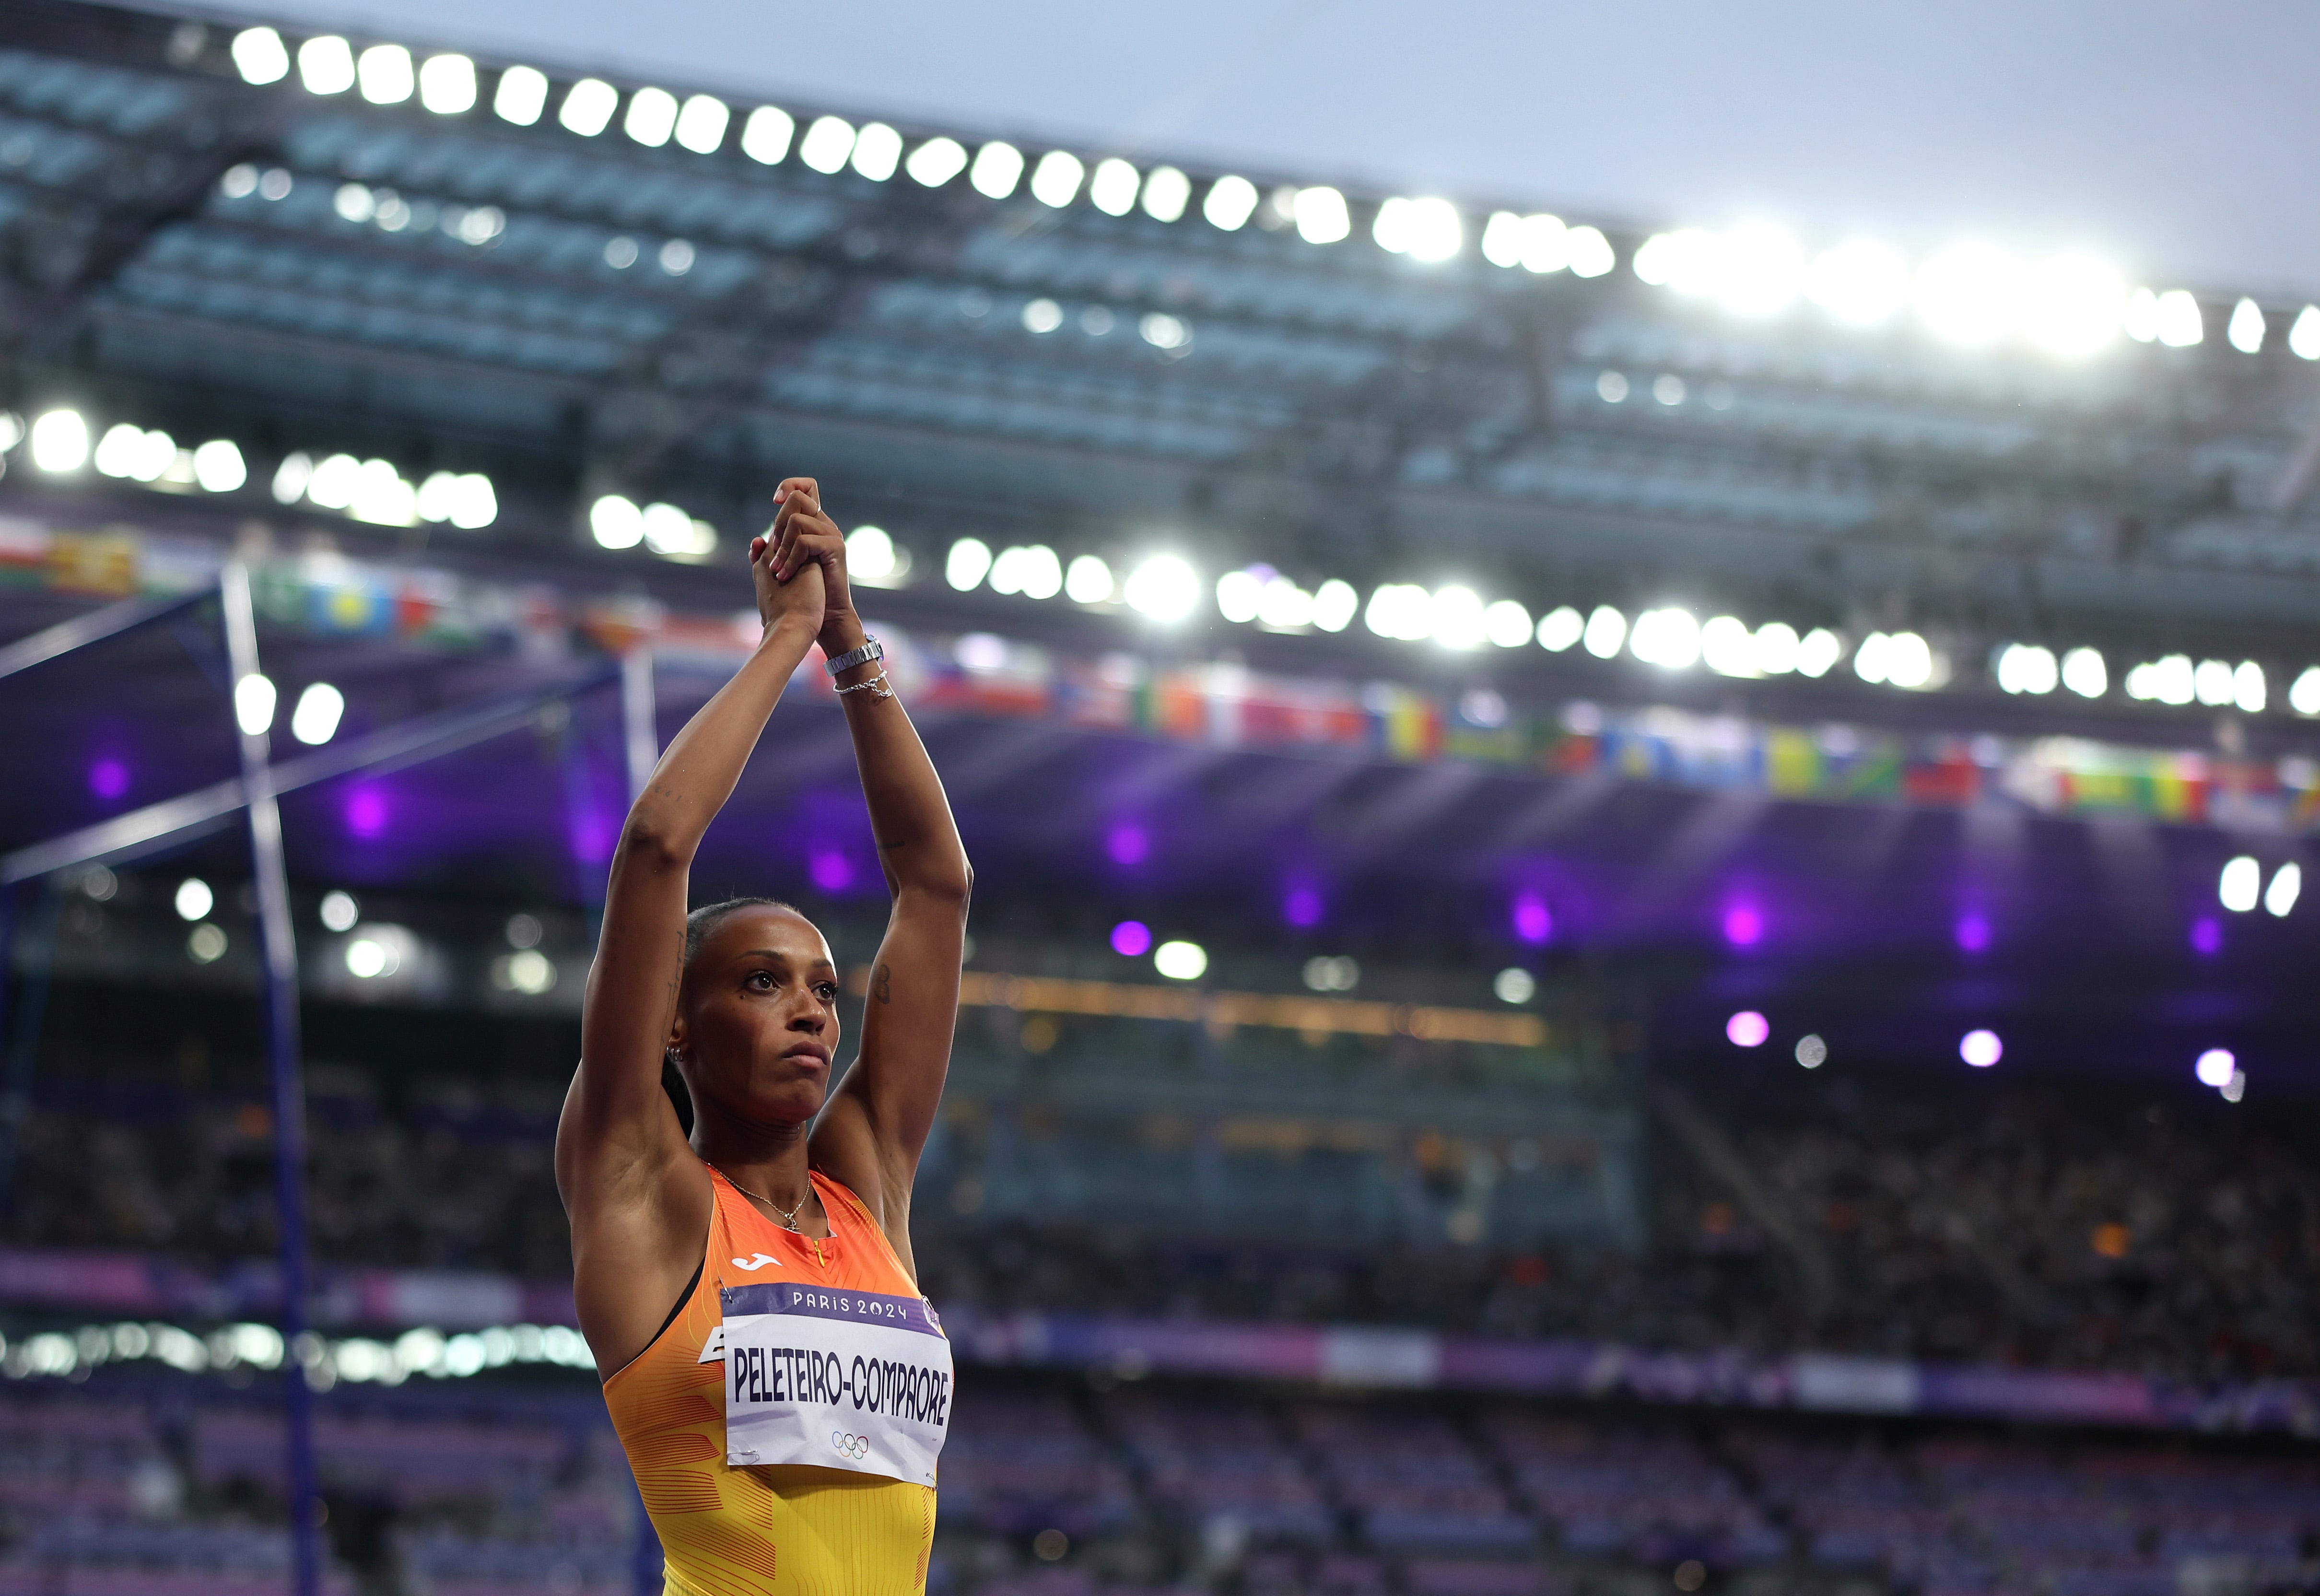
(857, 1447)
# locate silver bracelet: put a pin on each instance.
(877, 686)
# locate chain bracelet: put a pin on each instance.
(877, 686)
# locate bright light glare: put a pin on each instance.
(2279, 897)
(2248, 687)
(326, 66)
(1321, 215)
(2141, 320)
(1607, 630)
(1457, 615)
(1539, 243)
(1056, 179)
(1087, 580)
(827, 144)
(1560, 628)
(1514, 985)
(651, 118)
(522, 95)
(878, 152)
(2245, 328)
(1812, 1051)
(2178, 320)
(2083, 673)
(340, 911)
(1747, 1029)
(2212, 683)
(2073, 305)
(384, 72)
(936, 162)
(1980, 1048)
(1238, 594)
(998, 169)
(1042, 316)
(218, 467)
(1970, 295)
(1759, 272)
(2215, 1067)
(195, 900)
(1230, 203)
(1180, 961)
(2304, 697)
(701, 124)
(616, 521)
(315, 719)
(1818, 651)
(870, 554)
(2242, 880)
(1587, 253)
(1034, 572)
(1422, 228)
(1334, 604)
(1667, 637)
(2304, 336)
(1112, 189)
(1163, 588)
(253, 705)
(1727, 647)
(1402, 611)
(60, 441)
(446, 85)
(1166, 192)
(1162, 331)
(966, 564)
(588, 107)
(260, 57)
(1506, 624)
(1901, 658)
(766, 136)
(2026, 668)
(1861, 284)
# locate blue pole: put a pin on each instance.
(280, 949)
(32, 1011)
(640, 746)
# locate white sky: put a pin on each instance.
(2180, 141)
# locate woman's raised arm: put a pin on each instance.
(619, 1143)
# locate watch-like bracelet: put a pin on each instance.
(870, 650)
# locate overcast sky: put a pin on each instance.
(2179, 140)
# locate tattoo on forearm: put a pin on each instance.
(887, 847)
(881, 984)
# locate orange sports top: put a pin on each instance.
(787, 1530)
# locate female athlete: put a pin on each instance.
(780, 1385)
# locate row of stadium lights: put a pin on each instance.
(1979, 1048)
(1974, 295)
(55, 1355)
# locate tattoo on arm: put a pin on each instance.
(881, 984)
(887, 847)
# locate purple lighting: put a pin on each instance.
(1980, 1048)
(1131, 939)
(1972, 933)
(832, 871)
(2207, 937)
(108, 779)
(2215, 1067)
(1533, 923)
(1747, 1029)
(1743, 926)
(1128, 845)
(365, 812)
(1302, 907)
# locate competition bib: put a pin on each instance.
(844, 1379)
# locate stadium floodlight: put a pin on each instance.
(701, 124)
(1818, 651)
(2279, 897)
(1587, 253)
(522, 95)
(1502, 239)
(2171, 680)
(1180, 961)
(1457, 616)
(340, 911)
(259, 56)
(2211, 683)
(1668, 389)
(1908, 661)
(2072, 305)
(677, 257)
(1033, 571)
(2026, 667)
(386, 74)
(1980, 1048)
(827, 141)
(326, 65)
(381, 497)
(966, 564)
(2304, 336)
(2083, 673)
(116, 453)
(2248, 687)
(2245, 329)
(253, 703)
(1506, 624)
(1546, 244)
(59, 441)
(1970, 296)
(1747, 1029)
(1668, 638)
(936, 162)
(1335, 603)
(1606, 633)
(1321, 215)
(878, 152)
(588, 107)
(2140, 320)
(1760, 270)
(1230, 203)
(1163, 588)
(2215, 1067)
(871, 557)
(332, 484)
(2238, 886)
(1514, 986)
(1560, 628)
(766, 136)
(2179, 322)
(1812, 1051)
(1238, 594)
(1164, 331)
(616, 522)
(1727, 647)
(1401, 610)
(1056, 179)
(1861, 283)
(1042, 316)
(651, 117)
(1611, 387)
(1166, 192)
(315, 719)
(193, 898)
(1776, 647)
(447, 84)
(998, 169)
(1087, 580)
(1684, 260)
(2304, 697)
(218, 467)
(1112, 187)
(1422, 228)
(1283, 606)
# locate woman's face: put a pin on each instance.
(756, 1018)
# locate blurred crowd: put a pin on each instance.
(2055, 1229)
